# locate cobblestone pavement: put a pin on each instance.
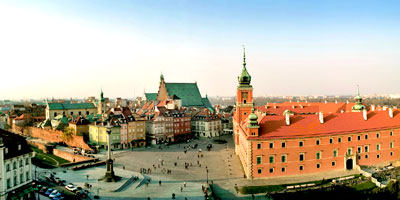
(224, 170)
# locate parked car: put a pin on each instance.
(57, 194)
(53, 194)
(43, 190)
(71, 188)
(48, 192)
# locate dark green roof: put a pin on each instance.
(188, 92)
(151, 96)
(62, 106)
(207, 103)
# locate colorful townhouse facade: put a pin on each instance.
(98, 135)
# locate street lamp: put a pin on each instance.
(207, 173)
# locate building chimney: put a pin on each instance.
(266, 106)
(290, 101)
(373, 107)
(326, 102)
(365, 114)
(347, 101)
(391, 112)
(293, 106)
(301, 106)
(336, 101)
(306, 101)
(385, 108)
(321, 117)
(274, 106)
(287, 117)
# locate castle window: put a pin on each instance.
(283, 144)
(391, 144)
(271, 145)
(258, 159)
(366, 156)
(391, 153)
(318, 165)
(283, 169)
(335, 152)
(366, 148)
(333, 163)
(331, 140)
(259, 170)
(378, 147)
(378, 156)
(366, 136)
(283, 158)
(349, 151)
(359, 137)
(244, 101)
(377, 135)
(301, 143)
(301, 167)
(349, 139)
(271, 170)
(339, 140)
(359, 149)
(271, 159)
(259, 146)
(318, 156)
(301, 156)
(317, 142)
(391, 133)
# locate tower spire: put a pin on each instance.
(244, 56)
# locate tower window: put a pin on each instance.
(317, 142)
(244, 101)
(301, 143)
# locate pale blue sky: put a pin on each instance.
(73, 48)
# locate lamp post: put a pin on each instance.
(207, 173)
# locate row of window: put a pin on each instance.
(72, 113)
(21, 180)
(319, 153)
(318, 165)
(21, 164)
(318, 141)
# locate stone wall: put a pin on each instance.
(70, 156)
(52, 136)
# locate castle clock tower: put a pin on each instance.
(244, 94)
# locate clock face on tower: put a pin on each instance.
(244, 95)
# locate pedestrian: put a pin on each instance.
(159, 182)
(184, 184)
(175, 164)
(186, 198)
(173, 195)
(253, 197)
(181, 188)
(148, 198)
(123, 167)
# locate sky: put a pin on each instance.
(75, 48)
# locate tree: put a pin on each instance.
(67, 134)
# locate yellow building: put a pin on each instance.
(136, 131)
(98, 135)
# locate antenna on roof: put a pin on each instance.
(358, 86)
(244, 56)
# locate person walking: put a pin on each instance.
(159, 182)
(184, 184)
(181, 188)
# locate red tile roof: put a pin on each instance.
(338, 123)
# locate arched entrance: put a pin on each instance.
(349, 164)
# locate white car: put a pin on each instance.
(71, 188)
(53, 194)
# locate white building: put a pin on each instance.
(206, 124)
(15, 167)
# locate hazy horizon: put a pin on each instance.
(66, 49)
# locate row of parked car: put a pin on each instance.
(51, 193)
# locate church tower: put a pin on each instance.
(102, 104)
(244, 94)
(358, 107)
